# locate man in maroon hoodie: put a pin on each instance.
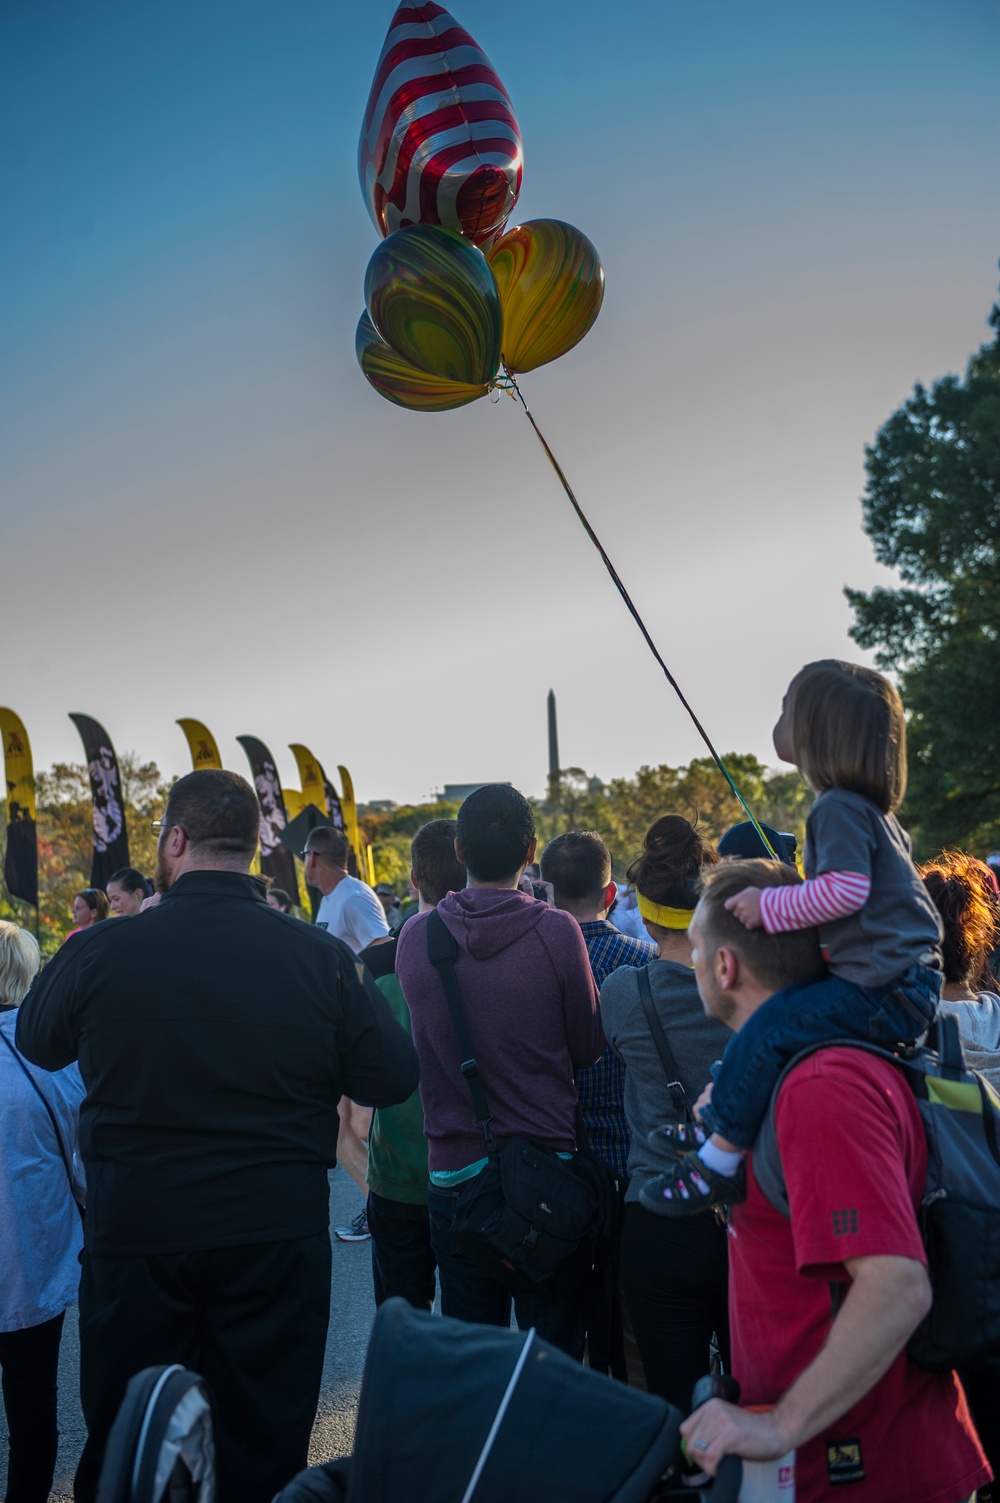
(532, 1009)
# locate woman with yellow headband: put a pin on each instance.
(674, 1273)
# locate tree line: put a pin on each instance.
(621, 811)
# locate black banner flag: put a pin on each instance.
(276, 861)
(333, 808)
(110, 834)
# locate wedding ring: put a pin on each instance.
(702, 1445)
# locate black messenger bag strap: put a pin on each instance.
(441, 952)
(663, 1049)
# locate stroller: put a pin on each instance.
(161, 1444)
(448, 1413)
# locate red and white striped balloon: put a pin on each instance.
(439, 144)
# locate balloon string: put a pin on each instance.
(513, 388)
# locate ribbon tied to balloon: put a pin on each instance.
(455, 302)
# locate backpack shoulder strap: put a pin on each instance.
(949, 1046)
(767, 1167)
(677, 1093)
(442, 952)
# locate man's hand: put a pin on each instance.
(719, 1429)
(885, 1302)
(149, 902)
(746, 906)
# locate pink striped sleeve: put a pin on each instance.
(831, 896)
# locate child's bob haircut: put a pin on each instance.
(847, 731)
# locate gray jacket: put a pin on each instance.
(695, 1040)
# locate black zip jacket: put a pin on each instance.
(215, 1036)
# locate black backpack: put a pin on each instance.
(959, 1213)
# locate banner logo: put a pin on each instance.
(109, 816)
(272, 812)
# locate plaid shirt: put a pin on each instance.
(601, 1086)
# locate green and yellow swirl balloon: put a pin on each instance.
(432, 297)
(442, 317)
(551, 285)
(398, 381)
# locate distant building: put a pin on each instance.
(456, 792)
(382, 805)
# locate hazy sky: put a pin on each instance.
(207, 511)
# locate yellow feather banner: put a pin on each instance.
(311, 776)
(350, 810)
(201, 743)
(21, 864)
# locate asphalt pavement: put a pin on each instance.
(351, 1313)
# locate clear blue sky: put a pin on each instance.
(207, 512)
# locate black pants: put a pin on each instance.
(30, 1362)
(251, 1320)
(403, 1260)
(675, 1277)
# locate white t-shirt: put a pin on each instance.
(627, 919)
(353, 913)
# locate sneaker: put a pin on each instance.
(356, 1232)
(689, 1187)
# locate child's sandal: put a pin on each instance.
(689, 1187)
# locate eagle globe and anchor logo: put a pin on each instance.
(109, 816)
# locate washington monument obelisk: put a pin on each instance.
(553, 752)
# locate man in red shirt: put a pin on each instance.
(867, 1425)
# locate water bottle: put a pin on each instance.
(768, 1481)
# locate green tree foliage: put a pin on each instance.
(391, 833)
(621, 811)
(932, 510)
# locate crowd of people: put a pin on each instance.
(182, 1085)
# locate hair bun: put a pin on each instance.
(668, 870)
(673, 841)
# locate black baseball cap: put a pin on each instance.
(743, 841)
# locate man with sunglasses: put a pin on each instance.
(348, 909)
(215, 1040)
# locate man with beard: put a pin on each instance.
(214, 1040)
